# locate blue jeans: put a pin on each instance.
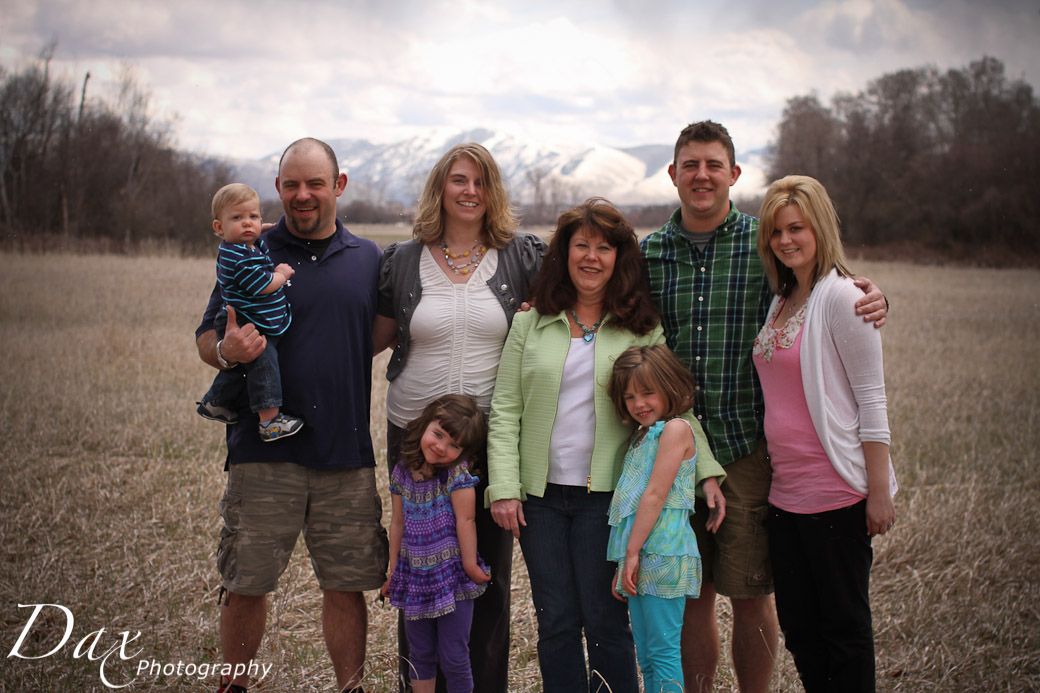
(565, 548)
(261, 379)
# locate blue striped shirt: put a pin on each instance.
(244, 272)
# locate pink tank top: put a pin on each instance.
(804, 480)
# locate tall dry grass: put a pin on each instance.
(110, 486)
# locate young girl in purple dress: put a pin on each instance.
(437, 573)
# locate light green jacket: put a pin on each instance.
(523, 408)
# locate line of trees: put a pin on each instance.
(550, 195)
(75, 167)
(949, 160)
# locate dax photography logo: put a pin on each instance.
(99, 646)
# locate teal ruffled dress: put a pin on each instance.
(669, 562)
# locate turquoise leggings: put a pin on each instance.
(656, 628)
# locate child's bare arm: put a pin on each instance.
(396, 533)
(464, 503)
(675, 445)
(277, 282)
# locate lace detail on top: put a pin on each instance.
(770, 338)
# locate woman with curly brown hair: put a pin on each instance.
(556, 445)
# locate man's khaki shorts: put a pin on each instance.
(736, 559)
(267, 504)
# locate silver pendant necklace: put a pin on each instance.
(589, 332)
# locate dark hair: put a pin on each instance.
(627, 295)
(656, 368)
(705, 131)
(311, 142)
(463, 420)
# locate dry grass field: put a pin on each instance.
(110, 484)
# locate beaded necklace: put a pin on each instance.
(475, 255)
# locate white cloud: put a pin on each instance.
(247, 77)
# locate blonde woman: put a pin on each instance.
(446, 300)
(825, 419)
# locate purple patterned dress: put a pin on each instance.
(429, 578)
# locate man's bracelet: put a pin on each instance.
(220, 359)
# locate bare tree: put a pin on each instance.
(806, 138)
(32, 108)
(562, 194)
(535, 177)
(949, 159)
(102, 169)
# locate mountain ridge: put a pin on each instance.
(395, 172)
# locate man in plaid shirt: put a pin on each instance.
(708, 281)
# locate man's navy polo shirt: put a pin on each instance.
(325, 356)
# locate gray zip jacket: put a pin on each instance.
(400, 288)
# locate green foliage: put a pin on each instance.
(949, 160)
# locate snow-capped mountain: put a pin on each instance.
(568, 171)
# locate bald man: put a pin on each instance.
(321, 480)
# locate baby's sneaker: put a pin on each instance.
(281, 426)
(215, 412)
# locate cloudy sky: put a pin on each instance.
(244, 78)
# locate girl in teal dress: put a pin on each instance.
(651, 539)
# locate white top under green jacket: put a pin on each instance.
(527, 389)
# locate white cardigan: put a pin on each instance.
(843, 377)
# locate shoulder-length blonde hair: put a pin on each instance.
(500, 221)
(809, 195)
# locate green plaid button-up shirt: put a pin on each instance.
(713, 303)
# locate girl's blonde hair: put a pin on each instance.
(500, 220)
(460, 417)
(657, 369)
(809, 195)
